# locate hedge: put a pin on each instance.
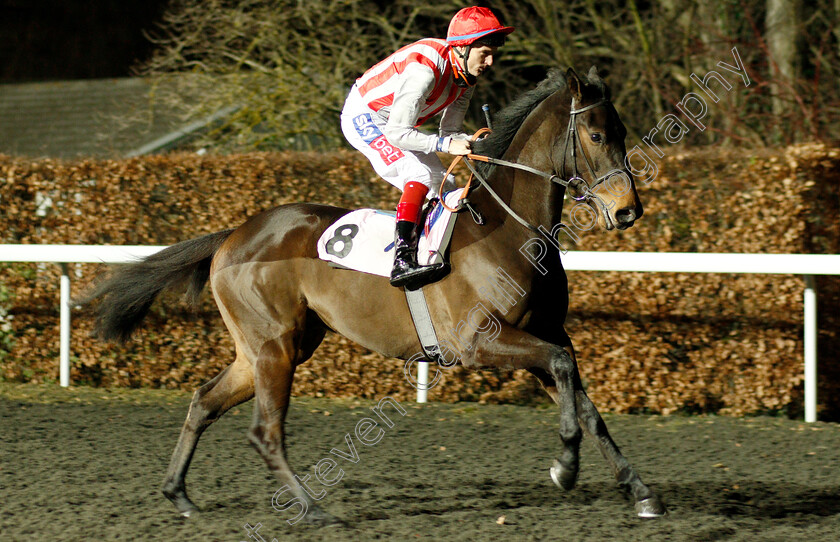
(659, 343)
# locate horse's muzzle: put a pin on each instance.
(624, 218)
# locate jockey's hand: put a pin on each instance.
(460, 147)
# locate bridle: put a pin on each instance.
(572, 137)
(576, 182)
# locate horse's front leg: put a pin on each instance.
(565, 470)
(517, 349)
(648, 503)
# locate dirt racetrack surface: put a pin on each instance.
(87, 464)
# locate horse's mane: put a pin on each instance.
(508, 121)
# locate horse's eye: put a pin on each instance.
(596, 138)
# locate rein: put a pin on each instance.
(575, 181)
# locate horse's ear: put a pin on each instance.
(573, 81)
(593, 74)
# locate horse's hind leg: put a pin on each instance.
(648, 503)
(234, 385)
(273, 374)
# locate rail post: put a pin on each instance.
(422, 381)
(810, 340)
(64, 328)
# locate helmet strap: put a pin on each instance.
(463, 78)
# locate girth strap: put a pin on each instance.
(423, 324)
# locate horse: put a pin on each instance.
(278, 299)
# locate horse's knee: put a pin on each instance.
(589, 416)
(563, 369)
(562, 366)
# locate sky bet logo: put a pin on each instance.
(373, 137)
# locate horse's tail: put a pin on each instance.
(125, 296)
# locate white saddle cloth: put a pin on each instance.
(364, 239)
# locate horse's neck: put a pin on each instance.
(535, 199)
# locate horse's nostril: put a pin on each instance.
(624, 216)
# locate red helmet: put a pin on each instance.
(473, 23)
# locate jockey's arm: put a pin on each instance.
(452, 123)
(416, 83)
(452, 120)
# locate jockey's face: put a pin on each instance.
(480, 59)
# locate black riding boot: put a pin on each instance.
(407, 272)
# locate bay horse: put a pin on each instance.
(278, 300)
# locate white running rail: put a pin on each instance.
(62, 255)
(807, 265)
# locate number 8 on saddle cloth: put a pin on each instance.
(363, 240)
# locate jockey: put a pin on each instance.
(387, 104)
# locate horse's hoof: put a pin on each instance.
(318, 517)
(182, 503)
(651, 507)
(187, 509)
(563, 477)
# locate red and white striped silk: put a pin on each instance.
(423, 67)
